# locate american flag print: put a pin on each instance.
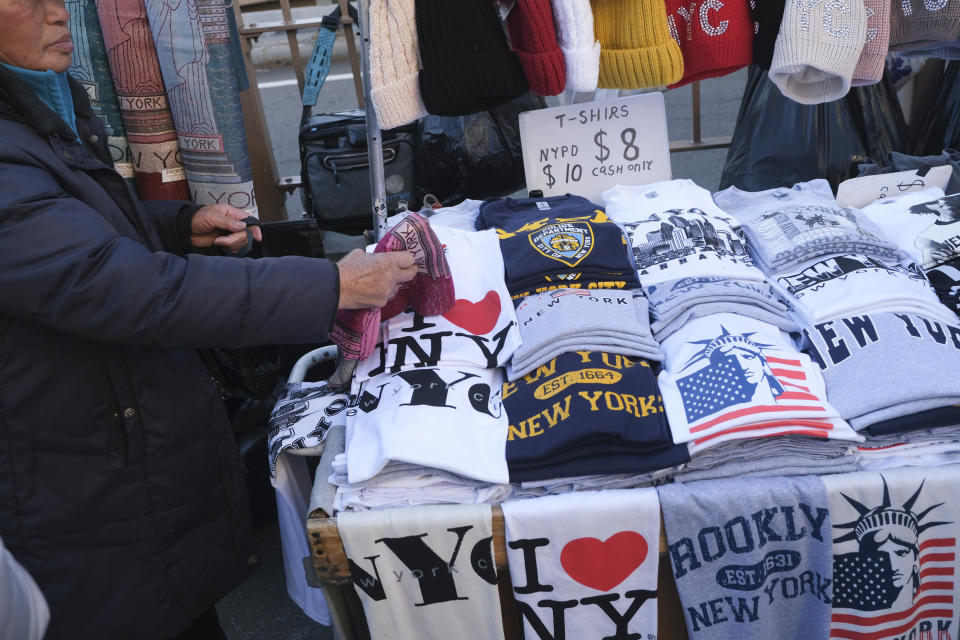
(907, 586)
(743, 384)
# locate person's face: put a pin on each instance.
(902, 559)
(751, 363)
(34, 35)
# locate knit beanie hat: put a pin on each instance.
(715, 38)
(915, 25)
(636, 50)
(581, 50)
(818, 49)
(467, 64)
(870, 66)
(394, 66)
(534, 39)
(767, 15)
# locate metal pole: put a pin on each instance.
(374, 139)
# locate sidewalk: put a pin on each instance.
(273, 50)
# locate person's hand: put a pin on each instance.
(370, 279)
(221, 225)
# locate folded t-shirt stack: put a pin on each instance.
(676, 231)
(430, 393)
(407, 485)
(563, 320)
(921, 448)
(727, 377)
(856, 353)
(585, 413)
(925, 225)
(691, 257)
(833, 286)
(558, 486)
(773, 456)
(558, 242)
(675, 302)
(786, 227)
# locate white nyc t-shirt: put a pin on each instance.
(677, 231)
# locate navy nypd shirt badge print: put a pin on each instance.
(566, 242)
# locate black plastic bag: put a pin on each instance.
(942, 125)
(778, 142)
(476, 156)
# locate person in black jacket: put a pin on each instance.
(121, 488)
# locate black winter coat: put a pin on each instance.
(121, 488)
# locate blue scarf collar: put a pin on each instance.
(53, 89)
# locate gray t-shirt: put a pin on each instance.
(787, 226)
(751, 558)
(883, 363)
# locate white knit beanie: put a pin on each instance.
(870, 66)
(581, 50)
(818, 47)
(394, 63)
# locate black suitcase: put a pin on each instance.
(335, 170)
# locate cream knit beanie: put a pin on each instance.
(394, 65)
(870, 66)
(581, 50)
(818, 47)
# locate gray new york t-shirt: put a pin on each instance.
(884, 363)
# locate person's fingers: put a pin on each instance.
(233, 242)
(401, 259)
(257, 234)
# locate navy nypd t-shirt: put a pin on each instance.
(563, 241)
(587, 413)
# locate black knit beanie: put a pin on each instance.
(467, 65)
(767, 15)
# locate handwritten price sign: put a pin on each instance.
(587, 148)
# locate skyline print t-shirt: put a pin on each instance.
(676, 231)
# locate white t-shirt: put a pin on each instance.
(479, 331)
(609, 549)
(834, 286)
(461, 216)
(727, 377)
(925, 225)
(449, 418)
(425, 572)
(677, 231)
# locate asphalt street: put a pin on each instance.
(260, 609)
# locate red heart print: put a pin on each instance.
(478, 318)
(604, 565)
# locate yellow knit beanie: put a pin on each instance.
(636, 50)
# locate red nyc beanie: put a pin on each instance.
(716, 38)
(534, 39)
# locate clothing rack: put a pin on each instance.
(374, 140)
